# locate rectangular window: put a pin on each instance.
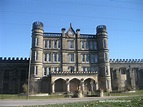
(55, 69)
(45, 57)
(83, 57)
(49, 57)
(91, 45)
(45, 44)
(92, 69)
(92, 58)
(45, 71)
(48, 70)
(88, 68)
(59, 44)
(50, 44)
(95, 58)
(82, 44)
(87, 58)
(36, 56)
(36, 70)
(87, 46)
(36, 41)
(106, 70)
(95, 45)
(71, 68)
(71, 44)
(105, 57)
(55, 57)
(71, 57)
(104, 44)
(55, 44)
(59, 57)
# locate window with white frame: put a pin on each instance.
(49, 43)
(85, 69)
(48, 70)
(87, 45)
(49, 55)
(82, 44)
(71, 68)
(45, 44)
(59, 57)
(87, 57)
(71, 57)
(55, 57)
(36, 55)
(71, 44)
(45, 57)
(95, 45)
(55, 69)
(59, 44)
(36, 70)
(55, 43)
(83, 57)
(36, 41)
(91, 45)
(44, 71)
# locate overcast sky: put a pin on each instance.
(123, 18)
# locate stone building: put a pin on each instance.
(72, 60)
(69, 62)
(126, 74)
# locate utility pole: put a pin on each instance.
(28, 86)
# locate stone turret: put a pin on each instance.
(37, 49)
(103, 58)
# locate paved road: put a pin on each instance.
(51, 101)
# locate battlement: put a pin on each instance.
(101, 28)
(126, 60)
(13, 59)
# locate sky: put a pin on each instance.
(123, 19)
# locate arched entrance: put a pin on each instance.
(89, 85)
(74, 85)
(60, 85)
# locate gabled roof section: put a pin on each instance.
(70, 30)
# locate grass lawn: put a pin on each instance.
(124, 102)
(16, 96)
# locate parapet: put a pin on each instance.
(13, 59)
(101, 28)
(126, 60)
(37, 25)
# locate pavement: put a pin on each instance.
(36, 102)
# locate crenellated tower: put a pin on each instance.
(103, 58)
(37, 50)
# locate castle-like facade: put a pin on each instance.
(69, 62)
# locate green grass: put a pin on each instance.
(122, 102)
(138, 92)
(16, 96)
